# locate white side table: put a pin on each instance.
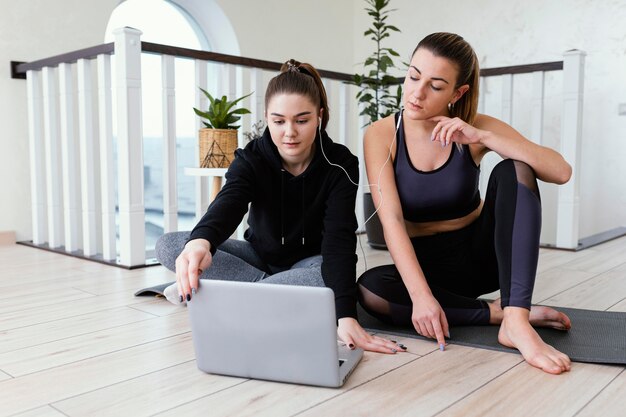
(217, 174)
(203, 199)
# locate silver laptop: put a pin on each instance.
(267, 331)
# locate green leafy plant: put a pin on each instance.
(376, 83)
(221, 113)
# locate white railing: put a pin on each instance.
(560, 204)
(73, 171)
(74, 118)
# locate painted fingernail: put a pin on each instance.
(188, 297)
(448, 334)
(394, 350)
(402, 346)
(394, 341)
(442, 347)
(193, 291)
(180, 297)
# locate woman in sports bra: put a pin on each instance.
(449, 246)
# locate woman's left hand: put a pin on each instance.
(454, 130)
(353, 335)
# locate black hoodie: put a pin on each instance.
(292, 218)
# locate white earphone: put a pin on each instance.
(377, 185)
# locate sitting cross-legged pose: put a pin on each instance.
(448, 246)
(301, 209)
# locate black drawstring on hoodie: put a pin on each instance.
(282, 207)
(303, 209)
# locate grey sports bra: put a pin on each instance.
(448, 192)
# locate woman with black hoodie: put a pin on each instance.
(300, 188)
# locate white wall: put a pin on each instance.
(319, 32)
(511, 33)
(31, 30)
(328, 33)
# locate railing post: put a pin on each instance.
(364, 183)
(328, 86)
(170, 196)
(53, 171)
(201, 102)
(107, 167)
(344, 114)
(536, 131)
(130, 147)
(256, 99)
(37, 167)
(571, 135)
(507, 98)
(482, 86)
(87, 157)
(69, 151)
(244, 122)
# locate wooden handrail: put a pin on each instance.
(19, 69)
(68, 57)
(522, 69)
(516, 69)
(230, 59)
(155, 48)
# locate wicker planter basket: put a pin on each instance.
(217, 147)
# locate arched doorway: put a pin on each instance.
(194, 24)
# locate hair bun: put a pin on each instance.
(292, 66)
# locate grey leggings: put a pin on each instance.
(236, 260)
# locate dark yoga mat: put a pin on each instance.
(595, 336)
(157, 290)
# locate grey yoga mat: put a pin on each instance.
(595, 336)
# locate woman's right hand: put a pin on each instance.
(353, 335)
(429, 319)
(195, 258)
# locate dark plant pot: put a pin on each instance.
(373, 228)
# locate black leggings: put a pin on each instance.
(497, 251)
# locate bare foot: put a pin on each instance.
(540, 316)
(516, 332)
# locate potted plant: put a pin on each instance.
(376, 96)
(218, 140)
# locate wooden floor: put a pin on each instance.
(75, 341)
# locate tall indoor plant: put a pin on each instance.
(376, 84)
(376, 94)
(218, 140)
